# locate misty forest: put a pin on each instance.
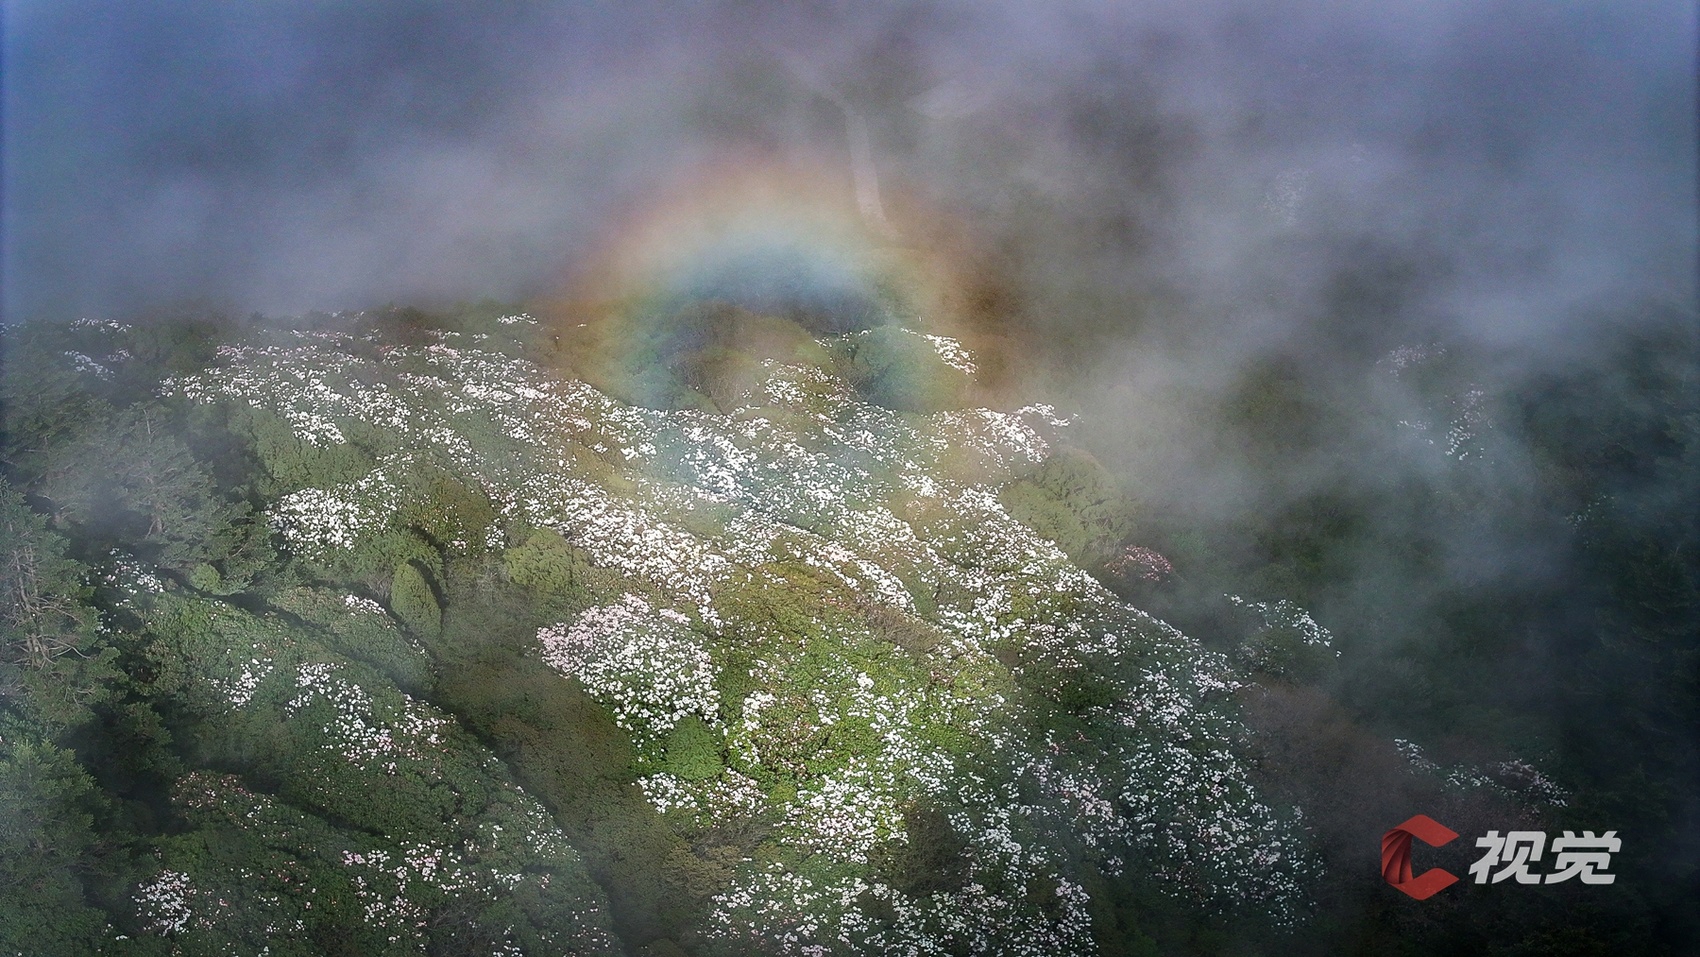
(578, 491)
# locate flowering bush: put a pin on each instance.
(254, 871)
(1285, 638)
(642, 662)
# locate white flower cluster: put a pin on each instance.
(397, 887)
(384, 896)
(318, 522)
(1465, 413)
(846, 812)
(85, 364)
(715, 801)
(627, 536)
(1514, 777)
(1405, 357)
(1468, 421)
(1006, 438)
(951, 351)
(390, 886)
(236, 656)
(1519, 775)
(239, 689)
(126, 573)
(1190, 807)
(1139, 562)
(104, 325)
(1284, 614)
(803, 388)
(757, 541)
(1158, 777)
(770, 470)
(359, 729)
(164, 902)
(306, 385)
(643, 662)
(783, 912)
(367, 606)
(1013, 584)
(840, 816)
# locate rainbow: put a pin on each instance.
(769, 239)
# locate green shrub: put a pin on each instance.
(413, 601)
(1072, 500)
(693, 751)
(361, 631)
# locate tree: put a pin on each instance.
(41, 614)
(43, 405)
(136, 483)
(46, 836)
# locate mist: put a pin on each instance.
(1272, 259)
(1153, 200)
(1488, 167)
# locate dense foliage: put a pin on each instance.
(393, 633)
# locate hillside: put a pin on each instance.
(415, 641)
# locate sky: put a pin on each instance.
(1500, 162)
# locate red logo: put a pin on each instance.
(1396, 857)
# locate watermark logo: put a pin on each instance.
(1585, 857)
(1508, 857)
(1396, 857)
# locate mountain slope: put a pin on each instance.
(814, 618)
